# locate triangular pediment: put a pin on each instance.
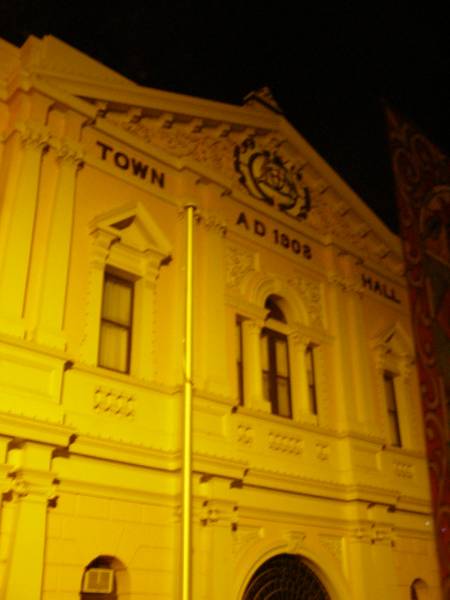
(394, 340)
(274, 167)
(251, 151)
(135, 228)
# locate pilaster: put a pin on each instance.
(299, 386)
(342, 357)
(211, 321)
(31, 491)
(253, 390)
(354, 372)
(360, 367)
(28, 142)
(217, 521)
(69, 159)
(370, 559)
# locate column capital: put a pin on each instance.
(345, 283)
(33, 484)
(102, 240)
(152, 264)
(35, 135)
(253, 326)
(299, 337)
(69, 151)
(213, 223)
(217, 512)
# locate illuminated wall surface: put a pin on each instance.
(309, 473)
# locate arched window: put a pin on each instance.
(275, 360)
(285, 576)
(99, 581)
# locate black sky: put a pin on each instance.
(328, 68)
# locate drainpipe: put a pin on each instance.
(186, 536)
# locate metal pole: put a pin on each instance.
(186, 543)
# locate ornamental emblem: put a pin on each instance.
(270, 178)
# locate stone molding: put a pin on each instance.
(213, 146)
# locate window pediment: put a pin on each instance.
(395, 342)
(135, 229)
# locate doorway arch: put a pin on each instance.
(285, 577)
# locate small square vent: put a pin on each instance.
(98, 581)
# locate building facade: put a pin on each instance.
(309, 474)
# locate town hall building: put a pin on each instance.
(307, 476)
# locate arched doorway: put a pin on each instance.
(285, 577)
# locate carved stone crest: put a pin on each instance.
(272, 178)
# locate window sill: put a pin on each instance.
(124, 378)
(284, 421)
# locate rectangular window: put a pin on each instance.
(239, 359)
(311, 377)
(275, 372)
(116, 320)
(391, 401)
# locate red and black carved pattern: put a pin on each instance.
(422, 176)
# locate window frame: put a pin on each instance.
(273, 336)
(239, 358)
(392, 411)
(311, 384)
(128, 242)
(129, 283)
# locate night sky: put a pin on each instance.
(329, 69)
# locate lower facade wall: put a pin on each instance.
(143, 538)
(131, 513)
